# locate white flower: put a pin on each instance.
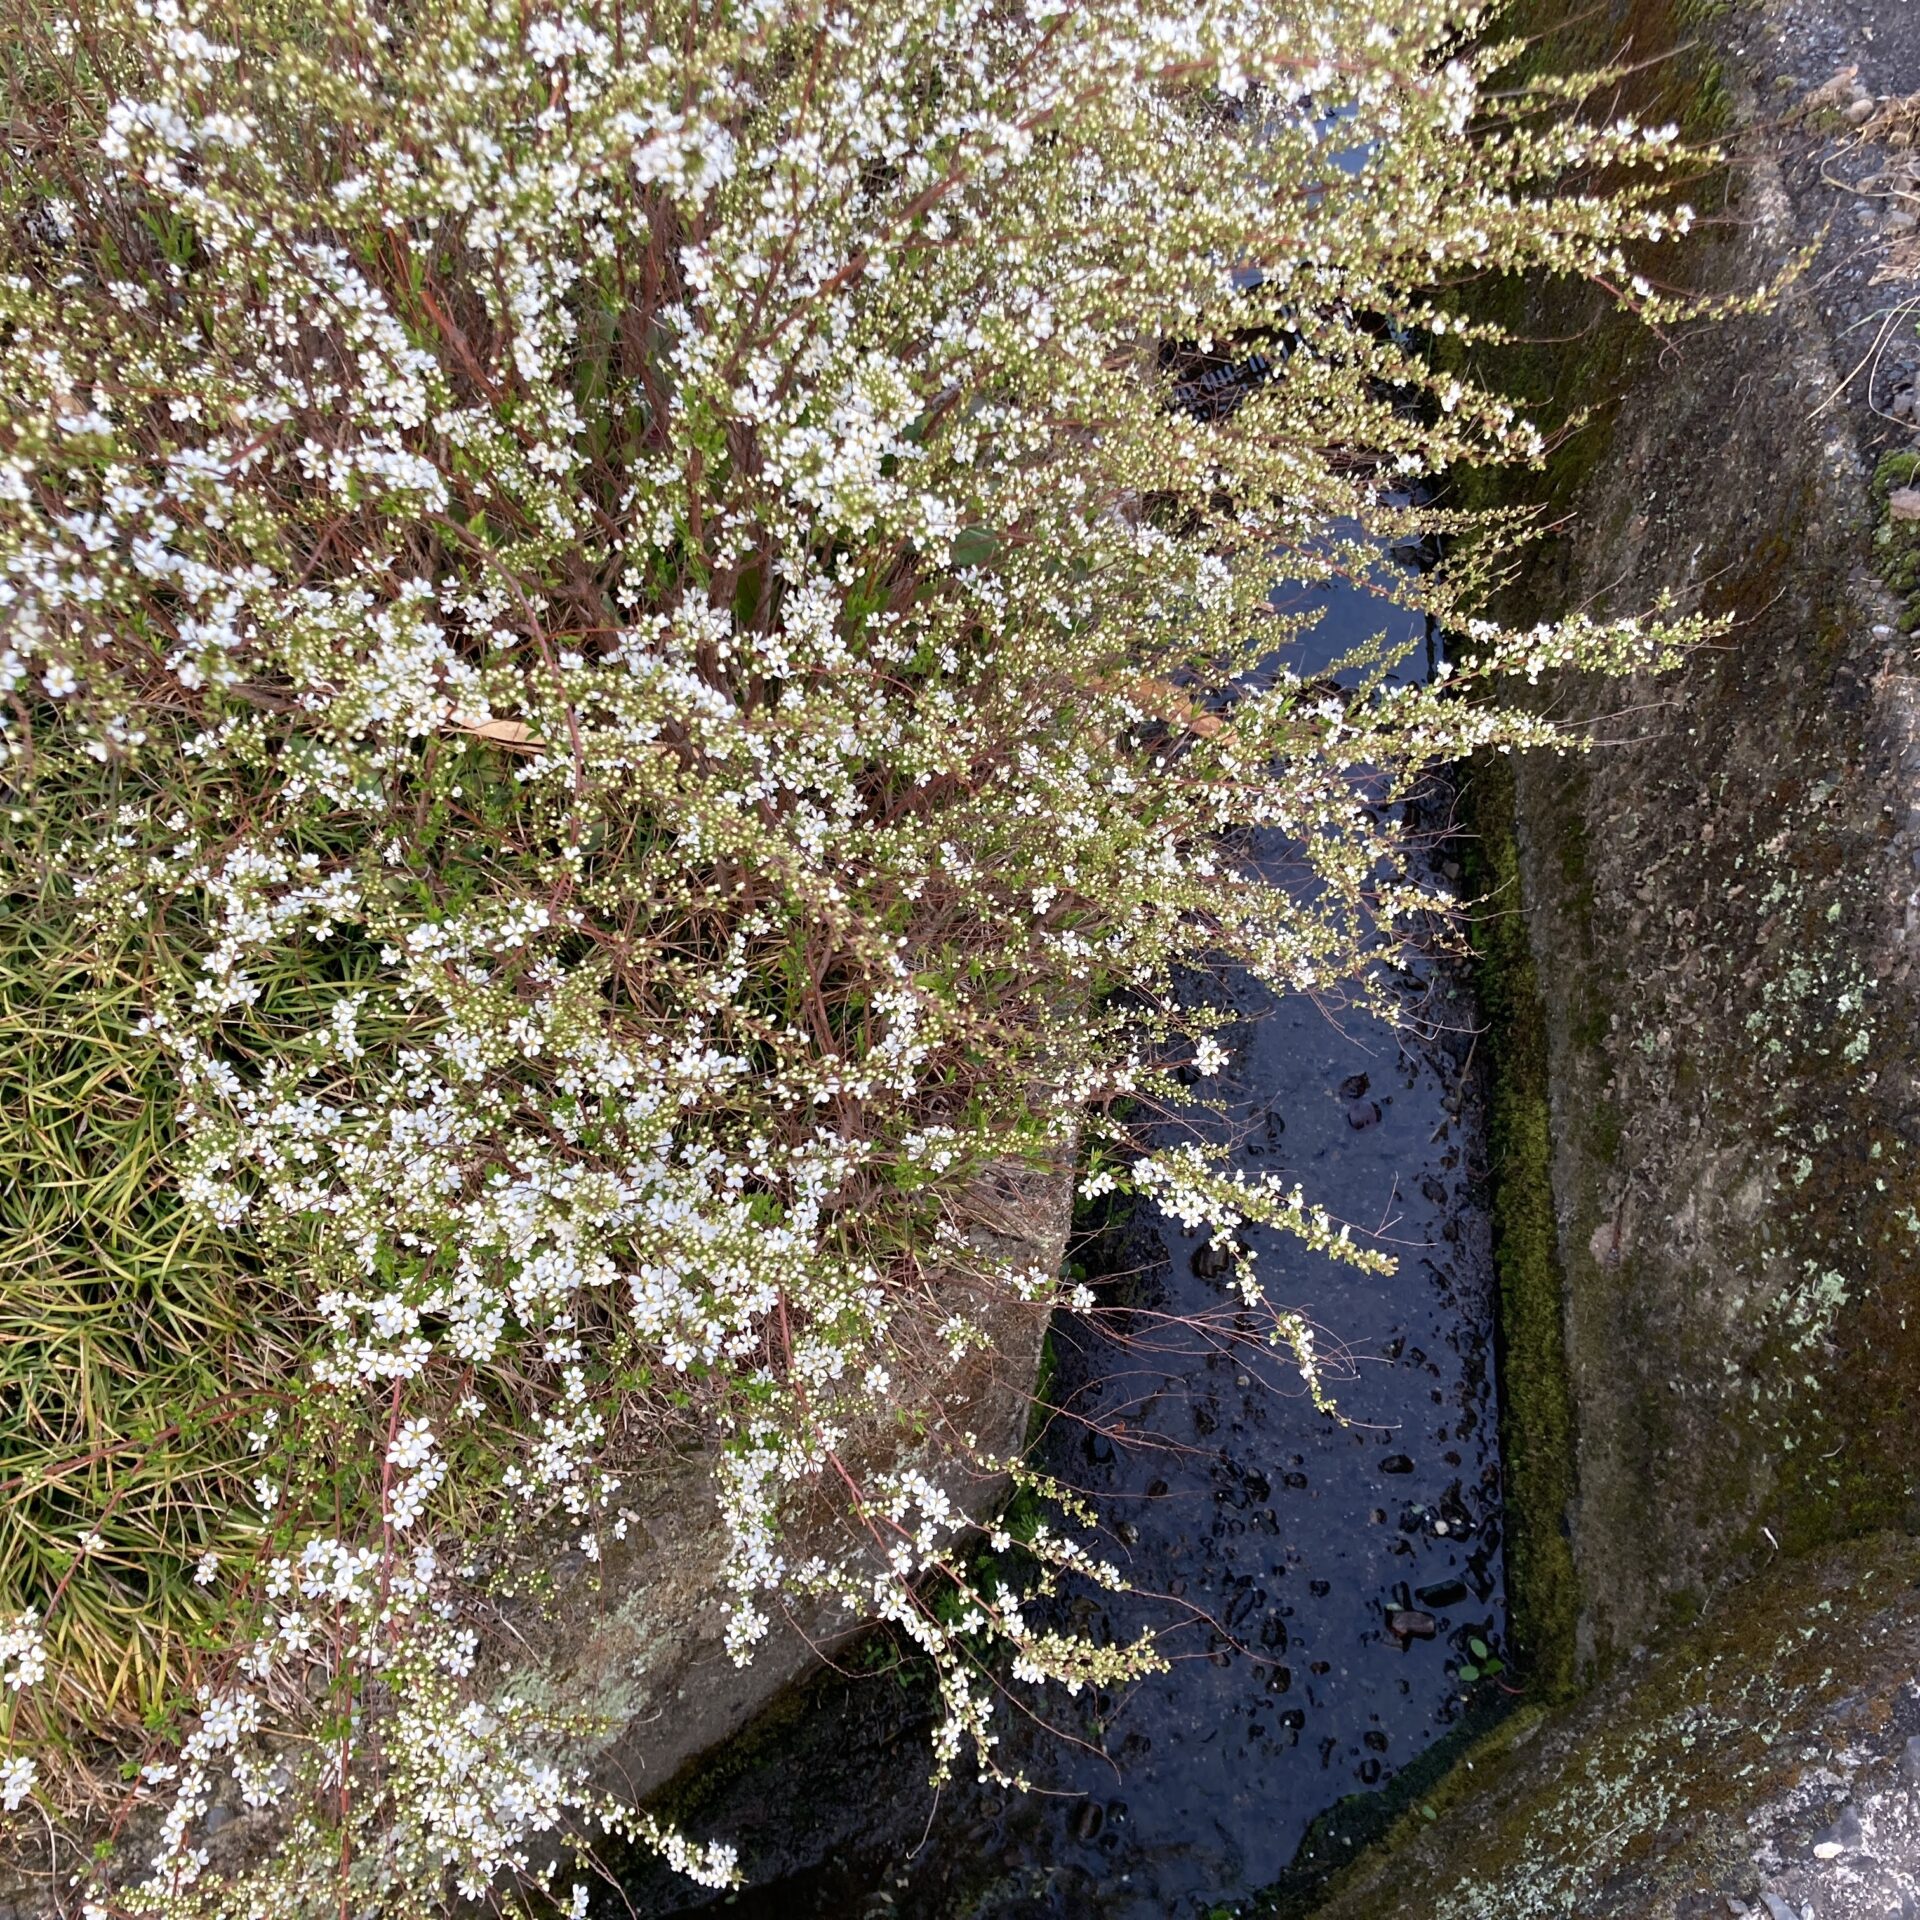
(411, 1446)
(17, 1776)
(23, 1655)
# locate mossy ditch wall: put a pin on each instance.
(1704, 927)
(1711, 896)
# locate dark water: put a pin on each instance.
(1269, 1542)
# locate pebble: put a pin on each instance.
(1777, 1909)
(1448, 1593)
(1396, 1463)
(1211, 1261)
(1911, 1759)
(1859, 113)
(1903, 503)
(1366, 1113)
(1409, 1623)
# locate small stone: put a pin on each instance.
(1903, 503)
(1901, 220)
(1089, 1820)
(1827, 1849)
(1447, 1593)
(1777, 1909)
(1366, 1113)
(1910, 1760)
(1396, 1463)
(1859, 112)
(1354, 1086)
(1409, 1623)
(1737, 1907)
(1212, 1260)
(1901, 406)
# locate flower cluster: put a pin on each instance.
(23, 1656)
(656, 621)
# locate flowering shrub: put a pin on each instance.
(631, 636)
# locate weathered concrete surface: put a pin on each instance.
(1768, 1763)
(1722, 909)
(1721, 901)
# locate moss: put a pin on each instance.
(1536, 1401)
(1042, 1393)
(1572, 355)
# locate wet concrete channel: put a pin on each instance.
(1330, 1594)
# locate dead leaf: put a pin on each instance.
(504, 733)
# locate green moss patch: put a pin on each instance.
(1536, 1400)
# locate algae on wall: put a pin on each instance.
(1536, 1410)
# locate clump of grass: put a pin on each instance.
(134, 1338)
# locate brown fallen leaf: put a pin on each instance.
(504, 733)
